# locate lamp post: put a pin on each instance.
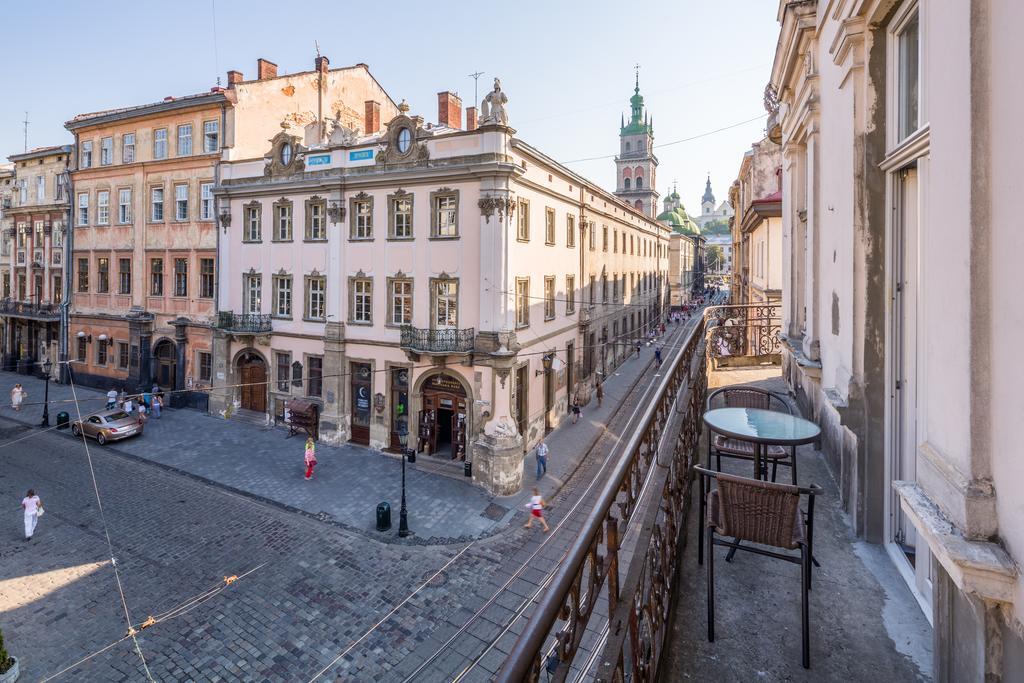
(47, 366)
(403, 515)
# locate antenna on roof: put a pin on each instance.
(216, 56)
(26, 131)
(316, 43)
(476, 78)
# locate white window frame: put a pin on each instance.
(103, 207)
(549, 297)
(209, 126)
(159, 143)
(253, 224)
(401, 294)
(40, 189)
(282, 307)
(445, 304)
(362, 300)
(907, 12)
(316, 298)
(446, 215)
(107, 150)
(85, 154)
(180, 203)
(83, 208)
(153, 203)
(128, 148)
(206, 201)
(183, 137)
(124, 205)
(252, 293)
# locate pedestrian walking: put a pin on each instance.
(157, 405)
(638, 349)
(310, 457)
(18, 395)
(142, 413)
(600, 392)
(111, 399)
(542, 458)
(121, 398)
(536, 506)
(575, 408)
(657, 356)
(33, 508)
(147, 400)
(128, 406)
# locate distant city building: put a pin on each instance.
(686, 252)
(635, 166)
(709, 211)
(757, 230)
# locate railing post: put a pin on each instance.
(612, 545)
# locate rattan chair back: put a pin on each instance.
(758, 511)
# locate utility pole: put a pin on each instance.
(26, 131)
(476, 78)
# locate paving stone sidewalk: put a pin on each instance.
(350, 480)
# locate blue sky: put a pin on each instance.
(567, 67)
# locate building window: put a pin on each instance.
(297, 374)
(181, 202)
(316, 214)
(205, 366)
(282, 221)
(122, 355)
(400, 210)
(549, 227)
(282, 296)
(103, 272)
(128, 148)
(362, 300)
(570, 230)
(124, 276)
(180, 277)
(604, 288)
(106, 151)
(316, 298)
(604, 238)
(570, 294)
(362, 219)
(58, 289)
(207, 278)
(85, 157)
(522, 301)
(401, 302)
(7, 285)
(82, 349)
(211, 136)
(615, 242)
(22, 191)
(253, 218)
(284, 364)
(206, 201)
(101, 353)
(252, 294)
(156, 204)
(103, 207)
(156, 277)
(523, 225)
(908, 40)
(124, 206)
(446, 304)
(593, 289)
(40, 189)
(83, 275)
(185, 140)
(591, 231)
(160, 143)
(445, 218)
(315, 370)
(549, 297)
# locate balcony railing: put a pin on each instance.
(251, 323)
(743, 330)
(437, 341)
(20, 259)
(647, 492)
(29, 309)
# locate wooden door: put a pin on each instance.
(253, 375)
(521, 401)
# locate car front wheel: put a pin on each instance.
(101, 438)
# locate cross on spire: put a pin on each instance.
(636, 67)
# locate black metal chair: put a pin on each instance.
(721, 446)
(765, 513)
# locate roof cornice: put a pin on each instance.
(102, 118)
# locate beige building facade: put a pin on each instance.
(451, 283)
(900, 277)
(757, 226)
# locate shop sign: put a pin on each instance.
(444, 383)
(360, 155)
(318, 160)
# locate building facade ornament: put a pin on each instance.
(503, 206)
(492, 109)
(336, 212)
(284, 156)
(402, 143)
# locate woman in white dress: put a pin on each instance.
(33, 508)
(17, 396)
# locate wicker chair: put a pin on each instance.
(721, 446)
(765, 513)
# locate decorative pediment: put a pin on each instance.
(401, 194)
(252, 271)
(283, 200)
(444, 276)
(402, 143)
(282, 272)
(445, 189)
(361, 195)
(360, 273)
(400, 275)
(283, 158)
(315, 273)
(315, 199)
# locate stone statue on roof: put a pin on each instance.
(492, 108)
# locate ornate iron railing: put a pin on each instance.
(659, 456)
(252, 323)
(437, 341)
(28, 309)
(743, 330)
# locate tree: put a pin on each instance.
(6, 662)
(719, 226)
(714, 257)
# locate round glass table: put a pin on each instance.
(761, 428)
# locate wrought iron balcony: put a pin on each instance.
(29, 309)
(743, 330)
(437, 341)
(245, 323)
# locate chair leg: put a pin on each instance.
(775, 467)
(792, 464)
(805, 640)
(719, 458)
(700, 520)
(732, 550)
(710, 537)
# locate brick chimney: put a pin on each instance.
(471, 118)
(371, 121)
(449, 109)
(265, 69)
(322, 64)
(234, 77)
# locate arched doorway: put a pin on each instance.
(166, 364)
(444, 418)
(252, 376)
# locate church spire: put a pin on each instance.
(709, 196)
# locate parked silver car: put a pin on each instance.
(108, 425)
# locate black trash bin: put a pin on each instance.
(63, 419)
(383, 516)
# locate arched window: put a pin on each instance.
(627, 146)
(639, 182)
(638, 171)
(625, 182)
(639, 205)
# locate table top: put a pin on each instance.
(761, 426)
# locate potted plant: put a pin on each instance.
(8, 665)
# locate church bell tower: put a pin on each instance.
(635, 165)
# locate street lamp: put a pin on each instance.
(403, 515)
(47, 366)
